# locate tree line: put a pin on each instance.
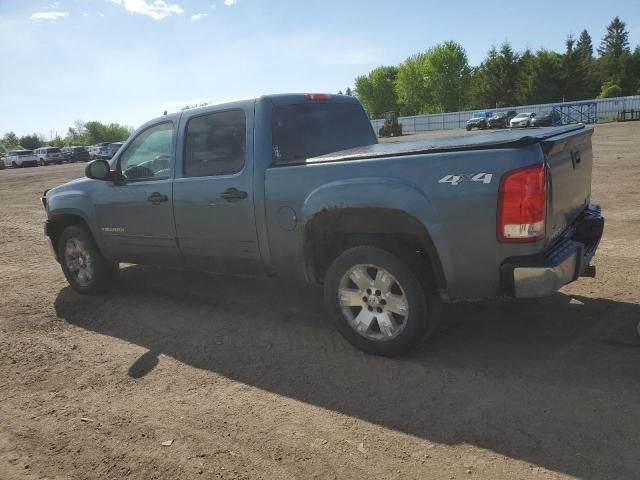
(441, 79)
(82, 133)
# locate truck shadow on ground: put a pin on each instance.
(553, 381)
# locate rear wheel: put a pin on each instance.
(83, 264)
(378, 303)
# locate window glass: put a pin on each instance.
(310, 130)
(215, 144)
(149, 155)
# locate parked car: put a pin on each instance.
(501, 119)
(302, 190)
(77, 154)
(479, 120)
(21, 158)
(2, 164)
(49, 155)
(114, 147)
(100, 151)
(66, 153)
(546, 119)
(522, 120)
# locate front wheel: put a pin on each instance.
(84, 266)
(378, 303)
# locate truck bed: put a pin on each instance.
(480, 141)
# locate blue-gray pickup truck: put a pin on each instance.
(297, 186)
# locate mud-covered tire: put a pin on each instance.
(78, 250)
(342, 295)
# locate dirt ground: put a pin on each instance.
(250, 381)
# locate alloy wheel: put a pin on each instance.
(373, 302)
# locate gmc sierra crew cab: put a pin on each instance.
(297, 186)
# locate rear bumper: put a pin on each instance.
(564, 262)
(28, 163)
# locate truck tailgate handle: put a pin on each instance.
(157, 197)
(233, 194)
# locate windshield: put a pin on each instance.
(53, 150)
(310, 130)
(522, 115)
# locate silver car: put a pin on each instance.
(49, 155)
(522, 120)
(21, 158)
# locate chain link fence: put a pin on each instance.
(607, 109)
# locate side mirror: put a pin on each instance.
(98, 170)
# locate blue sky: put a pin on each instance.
(128, 60)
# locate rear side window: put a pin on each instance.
(308, 130)
(215, 144)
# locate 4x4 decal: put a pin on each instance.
(464, 177)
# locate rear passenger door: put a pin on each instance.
(213, 192)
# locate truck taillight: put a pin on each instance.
(521, 205)
(317, 96)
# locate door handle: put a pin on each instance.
(233, 194)
(157, 197)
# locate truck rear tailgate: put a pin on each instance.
(569, 158)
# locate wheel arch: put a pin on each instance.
(332, 230)
(58, 223)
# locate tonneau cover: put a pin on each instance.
(480, 141)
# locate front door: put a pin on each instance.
(213, 194)
(135, 214)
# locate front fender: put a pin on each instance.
(74, 202)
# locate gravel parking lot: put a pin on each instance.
(249, 381)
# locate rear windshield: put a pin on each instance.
(78, 149)
(310, 130)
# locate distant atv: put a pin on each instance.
(391, 126)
